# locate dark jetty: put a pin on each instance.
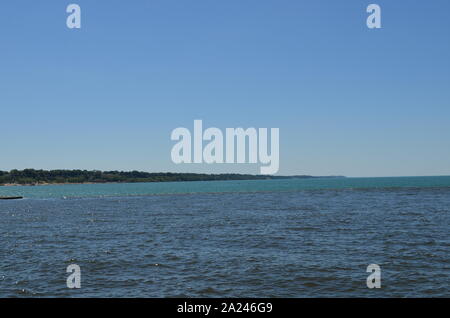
(10, 198)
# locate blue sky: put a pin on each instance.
(348, 100)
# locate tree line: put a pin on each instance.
(32, 176)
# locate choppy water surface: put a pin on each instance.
(295, 242)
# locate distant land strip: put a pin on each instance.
(42, 177)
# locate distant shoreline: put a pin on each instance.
(31, 177)
(47, 184)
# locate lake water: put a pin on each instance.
(271, 238)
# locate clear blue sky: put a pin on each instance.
(348, 100)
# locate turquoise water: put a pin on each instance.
(142, 189)
(271, 238)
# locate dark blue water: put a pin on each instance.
(296, 243)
